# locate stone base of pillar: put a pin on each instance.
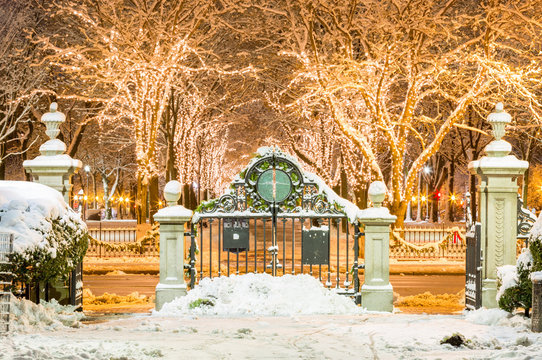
(168, 292)
(377, 297)
(489, 293)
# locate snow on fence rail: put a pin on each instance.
(6, 248)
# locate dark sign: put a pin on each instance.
(315, 246)
(236, 235)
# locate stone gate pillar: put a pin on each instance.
(172, 219)
(497, 172)
(53, 167)
(377, 292)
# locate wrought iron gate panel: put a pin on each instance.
(6, 248)
(277, 200)
(473, 271)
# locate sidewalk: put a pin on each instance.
(151, 265)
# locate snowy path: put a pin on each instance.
(304, 337)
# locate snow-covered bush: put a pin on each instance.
(514, 283)
(50, 239)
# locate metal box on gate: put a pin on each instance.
(315, 246)
(236, 234)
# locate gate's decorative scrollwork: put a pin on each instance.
(274, 179)
(526, 220)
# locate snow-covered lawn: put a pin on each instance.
(259, 317)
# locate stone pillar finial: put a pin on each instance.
(377, 193)
(172, 192)
(53, 167)
(52, 121)
(498, 120)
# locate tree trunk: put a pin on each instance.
(473, 200)
(106, 198)
(185, 201)
(141, 200)
(434, 209)
(153, 197)
(360, 195)
(2, 162)
(171, 170)
(193, 199)
(399, 209)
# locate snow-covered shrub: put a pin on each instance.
(50, 239)
(514, 283)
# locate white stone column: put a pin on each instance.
(497, 210)
(377, 292)
(172, 220)
(53, 167)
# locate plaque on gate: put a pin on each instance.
(315, 246)
(235, 234)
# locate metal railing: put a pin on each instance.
(117, 239)
(6, 248)
(429, 242)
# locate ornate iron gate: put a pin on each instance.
(277, 219)
(6, 248)
(473, 271)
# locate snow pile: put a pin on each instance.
(26, 209)
(507, 277)
(497, 317)
(260, 294)
(27, 316)
(64, 346)
(536, 276)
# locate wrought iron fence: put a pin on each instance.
(6, 248)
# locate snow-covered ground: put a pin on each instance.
(362, 336)
(302, 320)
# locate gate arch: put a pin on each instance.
(311, 229)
